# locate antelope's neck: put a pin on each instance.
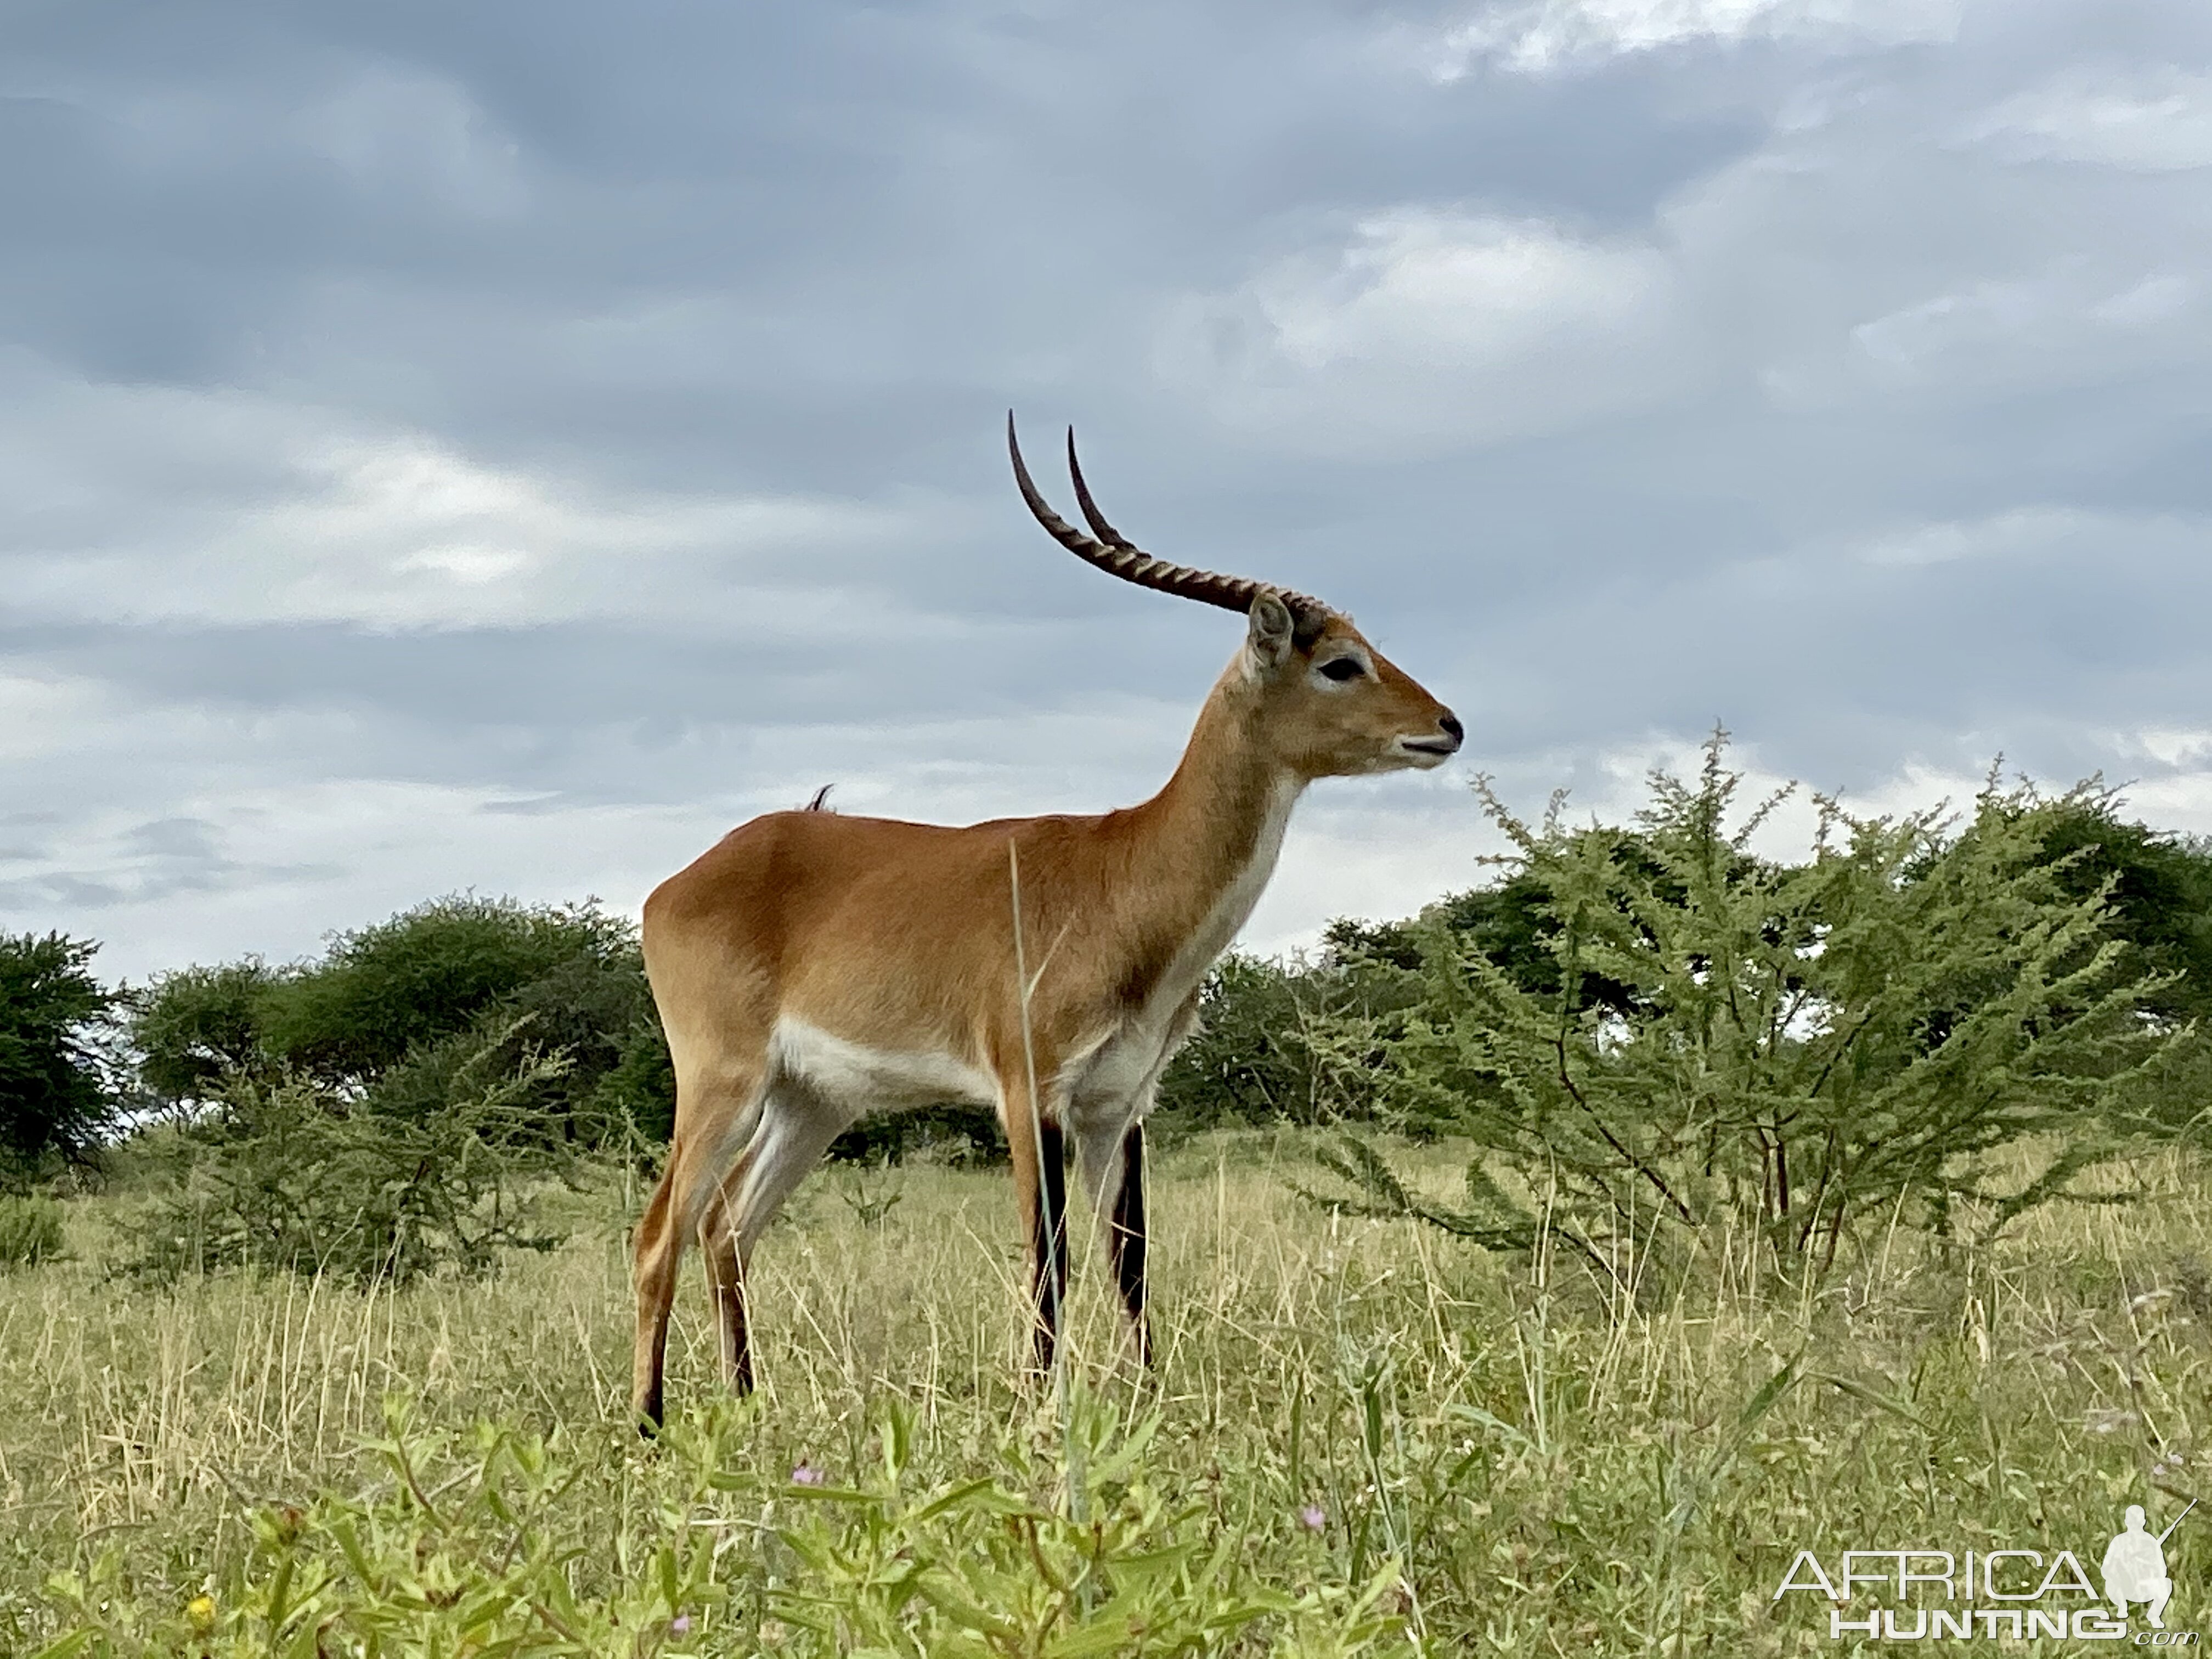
(1217, 828)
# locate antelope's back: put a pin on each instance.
(875, 929)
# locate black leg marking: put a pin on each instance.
(1050, 1244)
(741, 1356)
(1127, 1236)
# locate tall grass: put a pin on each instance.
(31, 1231)
(1543, 1461)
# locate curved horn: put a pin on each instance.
(1115, 554)
(1091, 515)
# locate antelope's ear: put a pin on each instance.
(1269, 638)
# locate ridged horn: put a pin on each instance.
(1110, 550)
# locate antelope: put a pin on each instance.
(812, 966)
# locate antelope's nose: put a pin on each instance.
(1453, 729)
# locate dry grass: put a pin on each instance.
(1560, 1473)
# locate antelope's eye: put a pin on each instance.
(1343, 668)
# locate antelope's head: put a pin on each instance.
(1328, 703)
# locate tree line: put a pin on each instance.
(1649, 1019)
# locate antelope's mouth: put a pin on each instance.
(1427, 751)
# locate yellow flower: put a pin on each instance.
(201, 1610)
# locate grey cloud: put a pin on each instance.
(1851, 307)
(191, 840)
(162, 859)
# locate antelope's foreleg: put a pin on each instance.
(1125, 1240)
(1112, 1158)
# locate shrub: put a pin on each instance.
(288, 1173)
(432, 980)
(963, 1136)
(1247, 1063)
(639, 1090)
(30, 1232)
(467, 1545)
(1254, 1059)
(381, 993)
(1781, 1046)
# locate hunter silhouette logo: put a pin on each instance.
(2007, 1594)
(2134, 1567)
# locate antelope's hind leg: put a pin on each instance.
(712, 1116)
(795, 1129)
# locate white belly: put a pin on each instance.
(857, 1080)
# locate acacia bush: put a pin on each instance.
(288, 1173)
(1785, 1047)
(1255, 1059)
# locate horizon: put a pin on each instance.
(504, 450)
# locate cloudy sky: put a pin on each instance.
(500, 446)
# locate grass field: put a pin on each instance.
(1552, 1468)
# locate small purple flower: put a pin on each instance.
(807, 1475)
(681, 1623)
(1312, 1518)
